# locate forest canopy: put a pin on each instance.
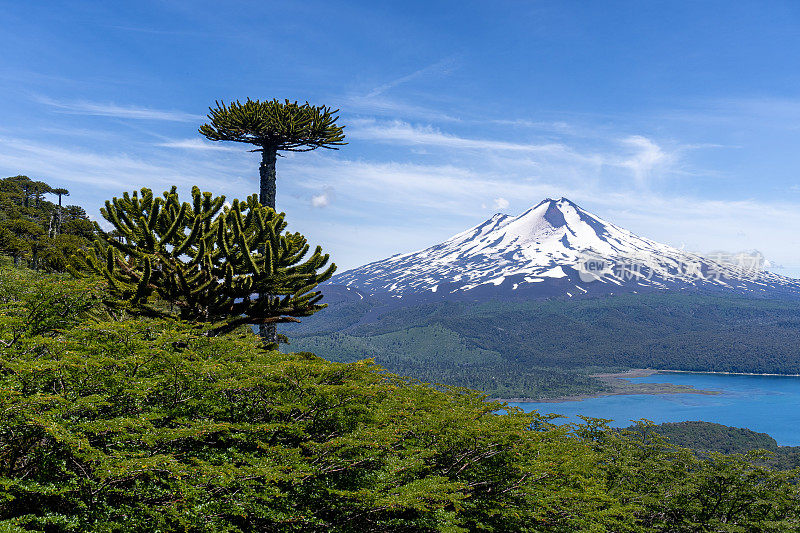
(118, 424)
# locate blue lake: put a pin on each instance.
(767, 404)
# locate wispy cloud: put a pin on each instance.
(399, 132)
(555, 126)
(384, 106)
(641, 156)
(647, 157)
(119, 111)
(769, 112)
(199, 144)
(400, 191)
(439, 68)
(115, 171)
(74, 165)
(703, 224)
(501, 203)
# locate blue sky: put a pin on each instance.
(677, 120)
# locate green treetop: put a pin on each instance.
(274, 126)
(60, 192)
(204, 261)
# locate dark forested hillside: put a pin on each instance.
(711, 437)
(706, 437)
(685, 331)
(440, 355)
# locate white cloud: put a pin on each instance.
(324, 198)
(120, 111)
(93, 176)
(393, 188)
(647, 158)
(320, 200)
(377, 103)
(400, 132)
(200, 144)
(559, 127)
(642, 156)
(501, 203)
(382, 105)
(702, 224)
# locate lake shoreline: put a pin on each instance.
(762, 403)
(619, 386)
(721, 373)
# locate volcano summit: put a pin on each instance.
(556, 249)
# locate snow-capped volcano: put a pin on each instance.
(555, 248)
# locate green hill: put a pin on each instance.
(707, 437)
(711, 437)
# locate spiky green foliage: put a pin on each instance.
(206, 260)
(275, 125)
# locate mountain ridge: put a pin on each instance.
(553, 249)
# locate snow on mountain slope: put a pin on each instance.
(555, 248)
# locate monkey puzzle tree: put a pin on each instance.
(202, 262)
(59, 192)
(40, 188)
(273, 126)
(24, 186)
(21, 238)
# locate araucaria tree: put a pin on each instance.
(60, 192)
(202, 262)
(273, 126)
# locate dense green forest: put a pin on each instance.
(439, 355)
(708, 437)
(560, 342)
(116, 423)
(37, 232)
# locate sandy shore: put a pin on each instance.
(633, 373)
(619, 385)
(724, 373)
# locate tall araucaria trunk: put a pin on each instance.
(267, 173)
(60, 220)
(267, 332)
